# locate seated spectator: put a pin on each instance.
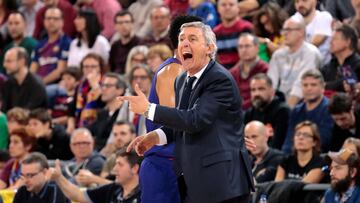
(65, 8)
(36, 187)
(88, 39)
(83, 109)
(160, 20)
(21, 143)
(19, 89)
(340, 9)
(345, 178)
(6, 7)
(157, 55)
(314, 108)
(347, 121)
(228, 32)
(265, 158)
(60, 103)
(85, 157)
(268, 109)
(123, 133)
(137, 55)
(125, 188)
(205, 10)
(268, 22)
(354, 21)
(17, 26)
(305, 163)
(105, 11)
(4, 157)
(344, 66)
(17, 118)
(29, 9)
(50, 55)
(112, 87)
(124, 25)
(52, 140)
(287, 64)
(248, 66)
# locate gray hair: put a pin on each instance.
(81, 131)
(209, 35)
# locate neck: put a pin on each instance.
(48, 133)
(126, 39)
(20, 76)
(296, 46)
(54, 36)
(357, 14)
(18, 40)
(113, 105)
(310, 17)
(304, 156)
(37, 190)
(341, 56)
(84, 36)
(312, 105)
(229, 23)
(130, 186)
(260, 157)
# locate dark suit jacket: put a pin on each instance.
(209, 141)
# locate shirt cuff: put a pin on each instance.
(151, 113)
(162, 137)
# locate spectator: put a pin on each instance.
(88, 39)
(6, 7)
(124, 26)
(268, 109)
(313, 108)
(305, 163)
(340, 9)
(125, 188)
(112, 87)
(52, 140)
(19, 88)
(347, 121)
(51, 54)
(265, 158)
(65, 8)
(345, 178)
(83, 109)
(16, 26)
(85, 157)
(354, 21)
(318, 26)
(37, 188)
(136, 56)
(289, 63)
(105, 11)
(205, 10)
(17, 118)
(344, 66)
(29, 8)
(157, 55)
(268, 22)
(142, 9)
(140, 75)
(21, 143)
(248, 66)
(228, 31)
(160, 20)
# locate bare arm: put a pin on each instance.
(314, 176)
(280, 174)
(292, 101)
(317, 40)
(246, 6)
(54, 75)
(34, 67)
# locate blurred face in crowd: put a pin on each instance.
(16, 26)
(51, 3)
(53, 21)
(292, 33)
(265, 20)
(257, 134)
(90, 65)
(193, 49)
(28, 2)
(109, 89)
(34, 176)
(38, 128)
(344, 120)
(154, 61)
(247, 49)
(195, 3)
(122, 135)
(261, 93)
(69, 82)
(339, 43)
(312, 89)
(304, 139)
(82, 145)
(138, 58)
(17, 149)
(228, 9)
(12, 124)
(124, 26)
(160, 19)
(141, 78)
(11, 63)
(356, 4)
(305, 7)
(80, 24)
(341, 177)
(123, 171)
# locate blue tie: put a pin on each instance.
(184, 104)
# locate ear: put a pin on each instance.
(210, 50)
(353, 172)
(135, 169)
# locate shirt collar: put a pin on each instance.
(199, 73)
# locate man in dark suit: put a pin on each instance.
(206, 124)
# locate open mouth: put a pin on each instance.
(187, 56)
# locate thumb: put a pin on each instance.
(138, 91)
